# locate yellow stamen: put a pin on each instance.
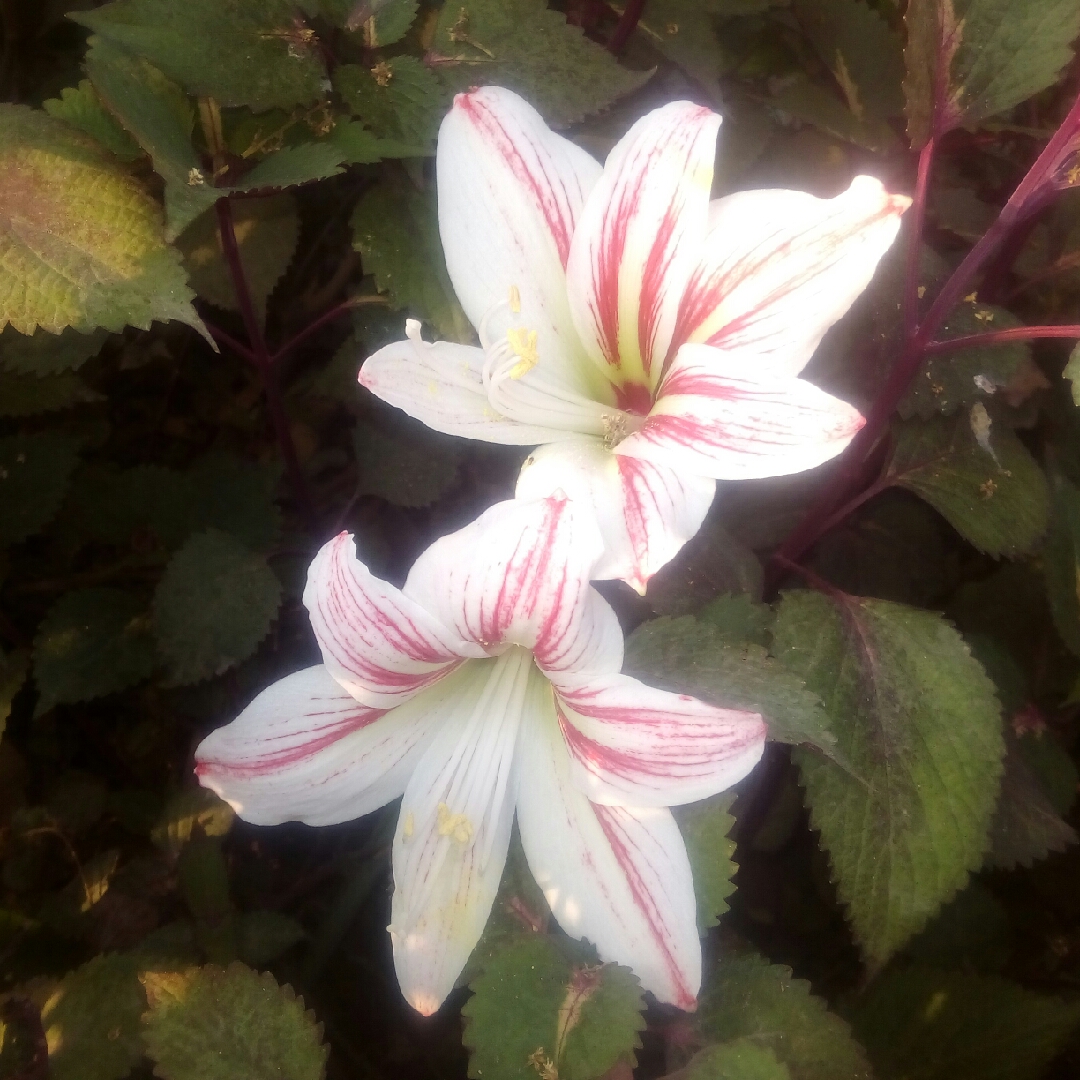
(523, 342)
(456, 825)
(971, 298)
(408, 827)
(515, 300)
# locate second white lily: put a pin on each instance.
(651, 340)
(490, 684)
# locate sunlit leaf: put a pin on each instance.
(920, 722)
(81, 107)
(80, 240)
(705, 827)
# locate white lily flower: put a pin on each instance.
(649, 338)
(491, 684)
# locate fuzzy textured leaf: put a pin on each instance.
(1026, 825)
(69, 259)
(705, 827)
(690, 656)
(231, 1023)
(740, 1059)
(400, 99)
(746, 997)
(92, 642)
(91, 1020)
(685, 32)
(81, 107)
(920, 722)
(536, 1006)
(213, 606)
(240, 52)
(977, 1025)
(948, 380)
(396, 231)
(34, 474)
(524, 46)
(978, 475)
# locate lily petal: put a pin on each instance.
(631, 744)
(378, 644)
(716, 417)
(441, 384)
(306, 750)
(517, 575)
(645, 511)
(510, 194)
(638, 240)
(617, 876)
(454, 827)
(780, 267)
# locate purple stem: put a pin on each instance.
(261, 356)
(994, 337)
(321, 321)
(627, 24)
(230, 342)
(915, 225)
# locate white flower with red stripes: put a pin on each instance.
(491, 684)
(650, 339)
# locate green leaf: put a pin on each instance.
(293, 165)
(993, 53)
(358, 146)
(400, 99)
(262, 936)
(413, 468)
(949, 380)
(814, 104)
(685, 32)
(978, 475)
(34, 474)
(29, 395)
(919, 721)
(240, 52)
(235, 496)
(522, 45)
(737, 619)
(705, 827)
(82, 108)
(1072, 373)
(92, 642)
(690, 656)
(391, 22)
(80, 240)
(266, 233)
(193, 810)
(1026, 825)
(536, 1006)
(13, 669)
(204, 879)
(159, 116)
(741, 1059)
(212, 1023)
(396, 231)
(1052, 766)
(862, 51)
(91, 1020)
(747, 998)
(44, 354)
(213, 606)
(972, 932)
(1061, 562)
(922, 1024)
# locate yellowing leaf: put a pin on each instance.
(80, 240)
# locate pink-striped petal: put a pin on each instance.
(441, 385)
(780, 267)
(645, 512)
(305, 750)
(714, 416)
(510, 194)
(616, 876)
(518, 575)
(631, 744)
(378, 644)
(638, 240)
(454, 826)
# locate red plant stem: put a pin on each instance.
(995, 337)
(915, 225)
(627, 24)
(1029, 194)
(261, 356)
(230, 342)
(327, 316)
